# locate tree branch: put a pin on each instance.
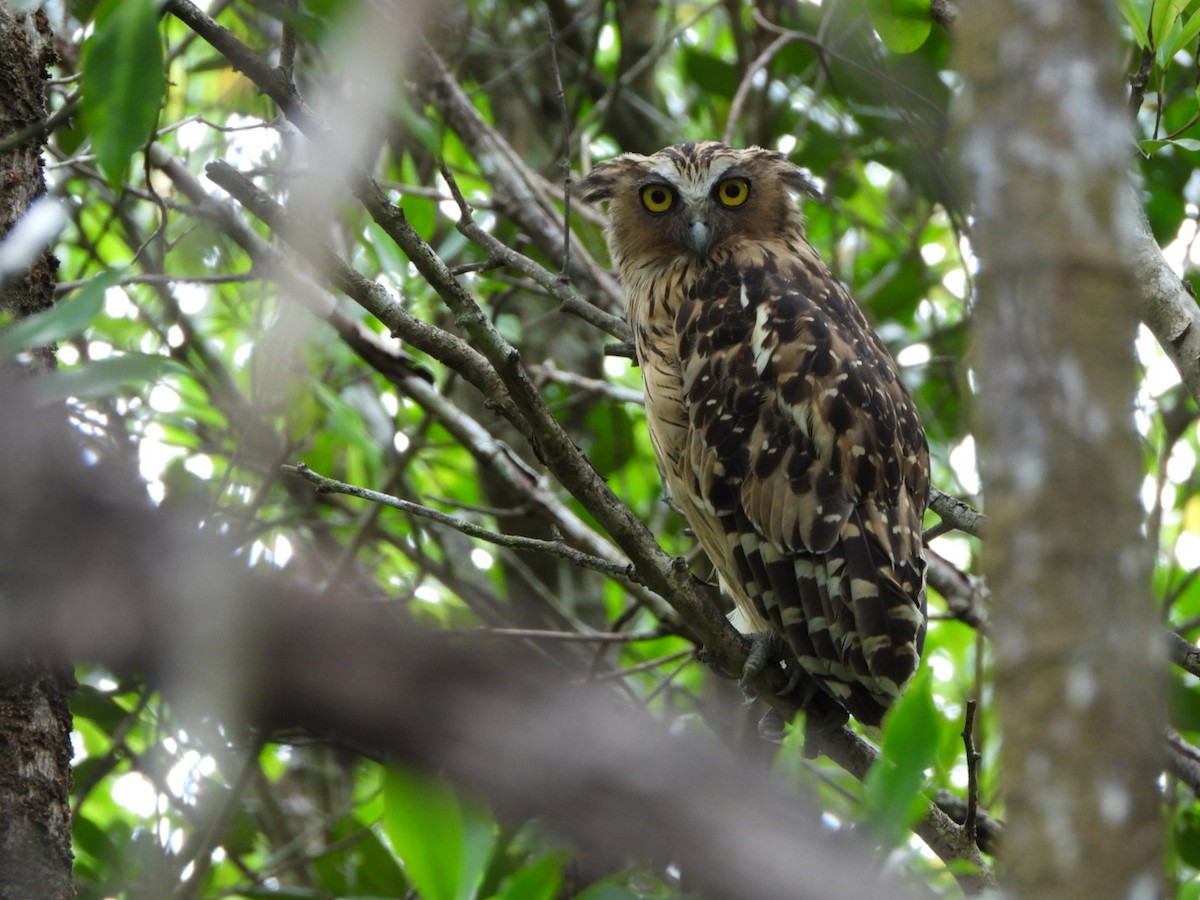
(101, 575)
(1166, 304)
(325, 485)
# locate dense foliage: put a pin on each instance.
(211, 343)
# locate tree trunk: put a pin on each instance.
(1079, 678)
(35, 721)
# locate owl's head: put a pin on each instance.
(695, 200)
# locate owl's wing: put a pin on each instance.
(805, 446)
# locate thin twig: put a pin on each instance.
(1138, 81)
(743, 90)
(973, 757)
(649, 665)
(614, 392)
(600, 110)
(563, 275)
(686, 657)
(553, 284)
(519, 193)
(469, 268)
(325, 485)
(584, 637)
(65, 287)
(824, 51)
(451, 351)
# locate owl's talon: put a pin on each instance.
(772, 727)
(823, 718)
(766, 648)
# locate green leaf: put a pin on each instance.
(607, 892)
(478, 846)
(443, 846)
(105, 377)
(1149, 146)
(1184, 704)
(423, 821)
(65, 319)
(1137, 14)
(537, 880)
(123, 83)
(419, 126)
(713, 74)
(892, 790)
(1187, 837)
(904, 25)
(1163, 14)
(1187, 33)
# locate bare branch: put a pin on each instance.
(959, 514)
(327, 485)
(1167, 305)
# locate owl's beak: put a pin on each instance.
(701, 235)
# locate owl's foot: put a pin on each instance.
(822, 717)
(766, 649)
(772, 727)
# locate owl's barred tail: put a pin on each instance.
(850, 624)
(882, 631)
(848, 618)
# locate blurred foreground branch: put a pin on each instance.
(93, 572)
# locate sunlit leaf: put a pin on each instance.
(536, 880)
(892, 790)
(1189, 144)
(1163, 14)
(424, 823)
(903, 25)
(123, 82)
(1187, 33)
(1137, 14)
(443, 845)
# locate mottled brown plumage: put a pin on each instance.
(778, 418)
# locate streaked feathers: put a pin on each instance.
(777, 415)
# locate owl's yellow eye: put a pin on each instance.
(657, 198)
(733, 191)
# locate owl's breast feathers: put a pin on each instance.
(797, 456)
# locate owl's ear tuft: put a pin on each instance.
(603, 182)
(794, 178)
(799, 183)
(797, 180)
(597, 185)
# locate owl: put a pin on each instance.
(777, 416)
